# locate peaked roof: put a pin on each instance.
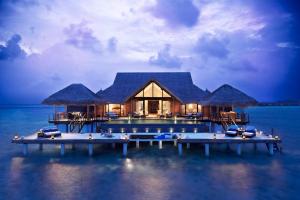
(179, 84)
(76, 94)
(228, 95)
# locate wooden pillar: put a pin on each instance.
(197, 108)
(120, 110)
(185, 109)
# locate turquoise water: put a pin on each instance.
(149, 173)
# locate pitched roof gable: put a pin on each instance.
(180, 84)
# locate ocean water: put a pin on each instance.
(149, 173)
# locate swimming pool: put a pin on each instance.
(152, 125)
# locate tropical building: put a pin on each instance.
(150, 95)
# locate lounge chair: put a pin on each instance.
(50, 131)
(250, 131)
(136, 115)
(232, 131)
(164, 136)
(169, 115)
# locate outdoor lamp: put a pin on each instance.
(146, 130)
(16, 137)
(195, 130)
(244, 137)
(171, 130)
(52, 137)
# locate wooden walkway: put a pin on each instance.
(90, 139)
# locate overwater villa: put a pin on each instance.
(151, 96)
(149, 107)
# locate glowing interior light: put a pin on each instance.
(195, 130)
(147, 130)
(110, 130)
(183, 130)
(134, 130)
(158, 130)
(122, 130)
(171, 130)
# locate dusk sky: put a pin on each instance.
(47, 45)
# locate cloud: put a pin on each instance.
(12, 50)
(287, 45)
(165, 59)
(210, 45)
(82, 37)
(176, 12)
(112, 44)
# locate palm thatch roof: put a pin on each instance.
(179, 84)
(74, 94)
(228, 95)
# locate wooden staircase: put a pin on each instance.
(77, 124)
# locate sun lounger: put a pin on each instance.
(250, 131)
(232, 131)
(48, 132)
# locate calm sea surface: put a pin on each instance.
(149, 173)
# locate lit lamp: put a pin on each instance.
(90, 136)
(16, 137)
(122, 130)
(276, 137)
(109, 130)
(183, 130)
(158, 130)
(244, 137)
(195, 130)
(147, 130)
(171, 130)
(134, 130)
(52, 137)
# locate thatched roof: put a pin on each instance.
(75, 94)
(228, 95)
(179, 84)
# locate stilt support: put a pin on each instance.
(25, 149)
(179, 149)
(62, 149)
(124, 149)
(160, 144)
(91, 148)
(271, 148)
(206, 148)
(175, 143)
(188, 145)
(239, 149)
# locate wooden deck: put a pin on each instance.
(182, 138)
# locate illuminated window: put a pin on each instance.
(153, 90)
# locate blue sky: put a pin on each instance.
(46, 45)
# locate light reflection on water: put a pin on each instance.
(149, 173)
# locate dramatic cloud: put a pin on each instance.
(233, 41)
(176, 12)
(211, 46)
(165, 59)
(81, 36)
(12, 49)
